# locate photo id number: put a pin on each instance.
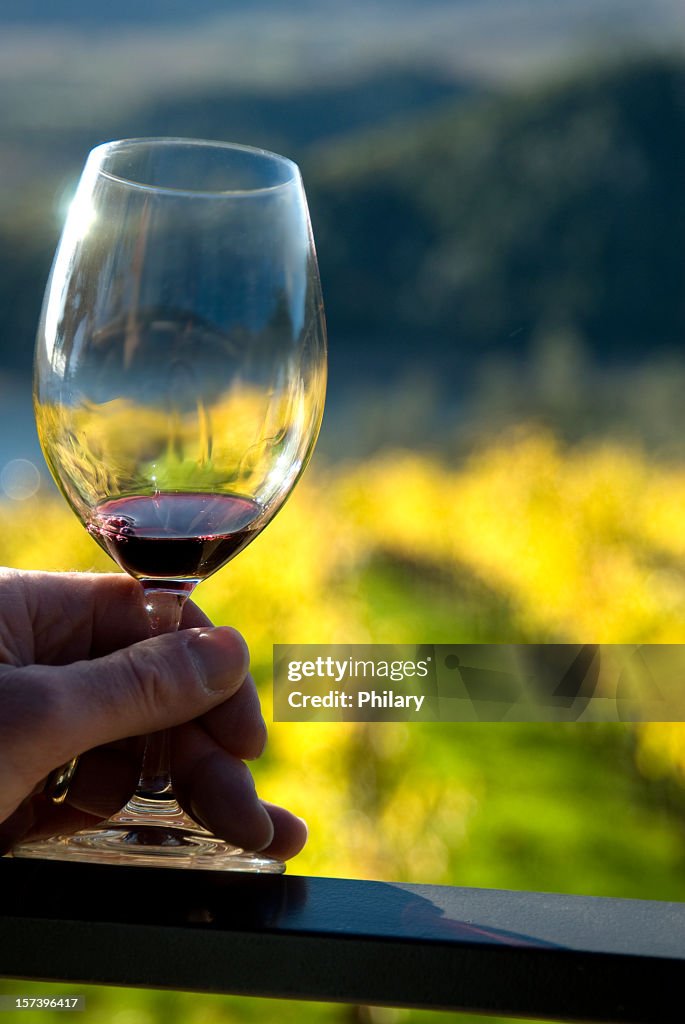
(42, 1003)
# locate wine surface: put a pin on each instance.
(175, 536)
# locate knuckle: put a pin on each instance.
(29, 698)
(148, 676)
(32, 723)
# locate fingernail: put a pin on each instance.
(221, 658)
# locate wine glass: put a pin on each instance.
(180, 375)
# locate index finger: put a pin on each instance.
(120, 618)
(87, 615)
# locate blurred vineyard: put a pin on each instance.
(525, 540)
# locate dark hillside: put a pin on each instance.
(510, 216)
(476, 225)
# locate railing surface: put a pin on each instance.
(510, 953)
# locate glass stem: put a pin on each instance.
(154, 792)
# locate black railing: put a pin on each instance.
(510, 953)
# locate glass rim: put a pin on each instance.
(97, 153)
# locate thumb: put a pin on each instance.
(53, 713)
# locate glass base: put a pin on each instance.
(164, 838)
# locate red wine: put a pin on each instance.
(175, 536)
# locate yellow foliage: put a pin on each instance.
(246, 441)
(573, 538)
(585, 545)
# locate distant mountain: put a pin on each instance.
(553, 209)
(476, 226)
(81, 59)
(288, 120)
(39, 165)
(295, 118)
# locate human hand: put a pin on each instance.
(80, 674)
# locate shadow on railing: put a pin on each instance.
(513, 953)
